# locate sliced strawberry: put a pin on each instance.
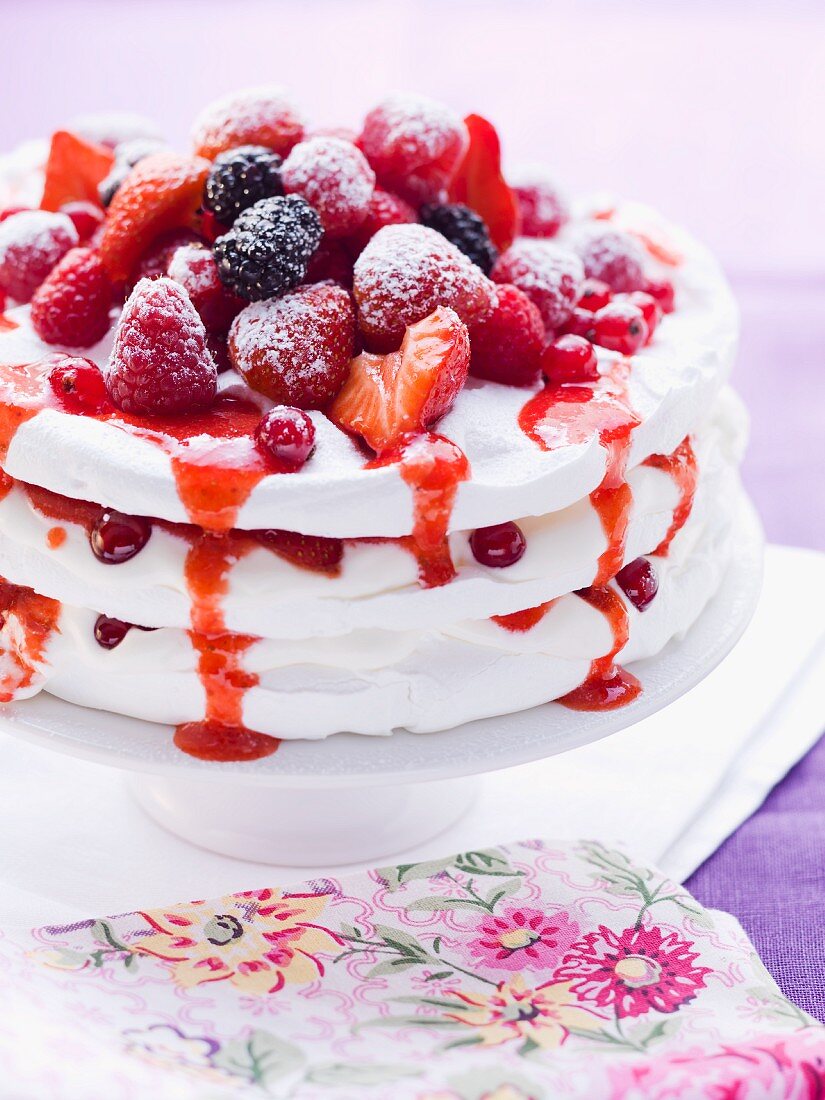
(479, 184)
(74, 169)
(321, 555)
(389, 396)
(162, 192)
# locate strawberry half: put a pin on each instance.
(388, 396)
(321, 555)
(479, 184)
(74, 169)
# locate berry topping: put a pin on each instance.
(479, 184)
(108, 187)
(160, 363)
(639, 583)
(662, 290)
(414, 145)
(611, 256)
(73, 170)
(161, 192)
(579, 323)
(331, 260)
(296, 349)
(239, 178)
(10, 211)
(388, 396)
(31, 243)
(498, 546)
(86, 217)
(116, 537)
(620, 326)
(78, 385)
(550, 276)
(383, 209)
(109, 632)
(193, 266)
(507, 345)
(334, 177)
(156, 259)
(254, 116)
(288, 435)
(463, 228)
(651, 310)
(594, 295)
(543, 210)
(570, 359)
(268, 249)
(407, 271)
(71, 305)
(322, 555)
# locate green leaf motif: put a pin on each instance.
(440, 905)
(337, 1074)
(391, 966)
(402, 941)
(410, 872)
(261, 1059)
(503, 890)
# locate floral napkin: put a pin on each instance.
(526, 972)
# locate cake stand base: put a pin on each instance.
(291, 828)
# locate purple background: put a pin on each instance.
(708, 110)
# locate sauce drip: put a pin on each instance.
(37, 618)
(681, 465)
(519, 622)
(607, 686)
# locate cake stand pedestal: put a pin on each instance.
(350, 798)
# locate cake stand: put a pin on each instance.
(352, 798)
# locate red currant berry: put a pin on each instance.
(651, 310)
(87, 217)
(286, 434)
(579, 323)
(620, 326)
(570, 359)
(639, 583)
(662, 290)
(498, 546)
(110, 632)
(594, 295)
(78, 384)
(116, 538)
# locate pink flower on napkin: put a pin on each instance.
(635, 971)
(519, 938)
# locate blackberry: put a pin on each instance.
(463, 228)
(107, 188)
(240, 178)
(268, 249)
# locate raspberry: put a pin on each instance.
(550, 276)
(268, 249)
(384, 209)
(479, 184)
(507, 346)
(335, 178)
(463, 228)
(296, 349)
(31, 243)
(193, 266)
(288, 435)
(156, 259)
(332, 261)
(498, 546)
(116, 537)
(662, 290)
(71, 306)
(240, 178)
(570, 359)
(594, 295)
(86, 217)
(10, 211)
(73, 170)
(160, 363)
(414, 145)
(162, 192)
(78, 385)
(543, 210)
(620, 326)
(611, 256)
(407, 271)
(254, 116)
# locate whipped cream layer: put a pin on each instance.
(374, 681)
(671, 385)
(378, 583)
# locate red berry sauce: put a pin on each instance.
(681, 465)
(607, 686)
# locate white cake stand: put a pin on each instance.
(352, 798)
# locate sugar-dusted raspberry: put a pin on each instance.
(384, 209)
(335, 177)
(31, 243)
(71, 305)
(612, 256)
(160, 363)
(193, 266)
(507, 346)
(9, 211)
(296, 349)
(542, 206)
(239, 178)
(414, 145)
(407, 271)
(549, 275)
(156, 259)
(254, 116)
(288, 435)
(78, 384)
(86, 216)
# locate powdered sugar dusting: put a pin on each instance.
(333, 176)
(31, 243)
(549, 275)
(542, 203)
(610, 255)
(253, 116)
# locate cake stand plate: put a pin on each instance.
(352, 798)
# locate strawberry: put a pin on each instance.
(253, 116)
(162, 192)
(74, 169)
(321, 555)
(388, 396)
(479, 184)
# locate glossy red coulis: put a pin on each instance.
(681, 465)
(607, 686)
(519, 622)
(37, 618)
